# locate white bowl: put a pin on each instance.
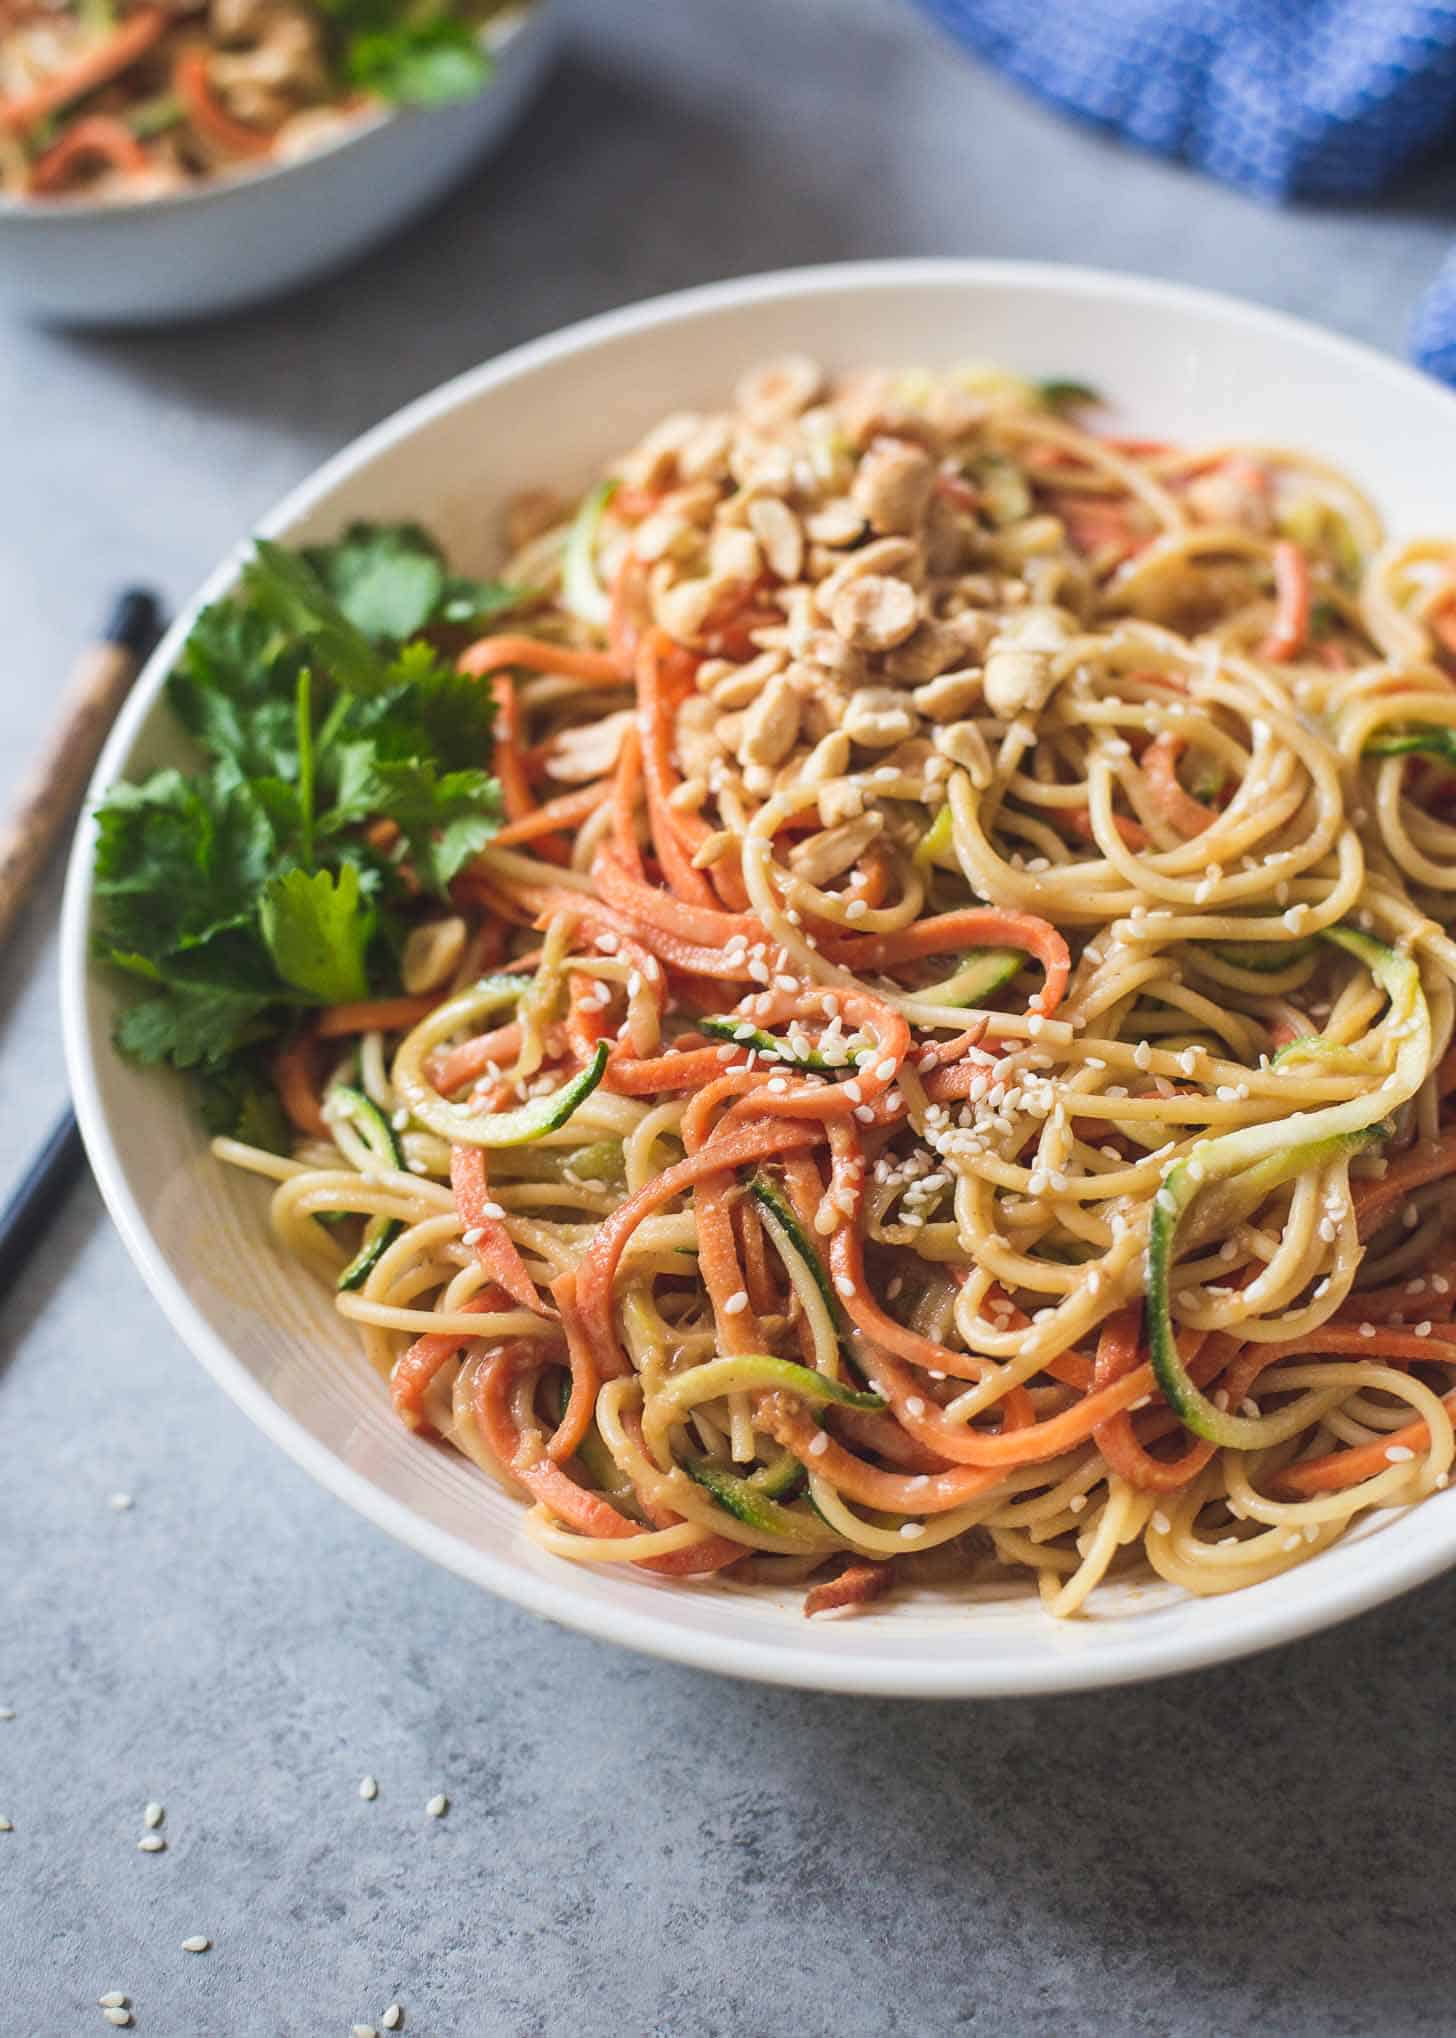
(235, 239)
(1179, 362)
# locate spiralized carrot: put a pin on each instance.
(1117, 1355)
(971, 927)
(569, 811)
(494, 1246)
(856, 1585)
(1159, 766)
(96, 139)
(113, 53)
(1292, 599)
(1429, 1162)
(191, 75)
(383, 1015)
(295, 1074)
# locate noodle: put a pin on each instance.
(980, 1050)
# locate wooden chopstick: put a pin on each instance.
(52, 791)
(48, 800)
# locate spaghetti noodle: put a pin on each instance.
(943, 1073)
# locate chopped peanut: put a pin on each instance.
(878, 717)
(875, 612)
(893, 486)
(771, 725)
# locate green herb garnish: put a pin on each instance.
(242, 893)
(419, 55)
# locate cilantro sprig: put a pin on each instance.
(240, 894)
(424, 54)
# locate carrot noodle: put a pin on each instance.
(207, 113)
(118, 49)
(95, 139)
(294, 1072)
(566, 812)
(856, 1585)
(383, 1015)
(1291, 619)
(776, 1179)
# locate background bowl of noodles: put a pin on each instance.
(1174, 362)
(228, 240)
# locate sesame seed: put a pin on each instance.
(911, 1529)
(5, 1825)
(117, 2016)
(1423, 1329)
(736, 1304)
(886, 1070)
(400, 1119)
(1292, 1542)
(153, 1816)
(819, 1444)
(393, 2017)
(1367, 1330)
(7, 1712)
(196, 1944)
(120, 1502)
(438, 1806)
(1161, 1523)
(492, 1210)
(1077, 1502)
(368, 1789)
(843, 1286)
(151, 1843)
(472, 1237)
(915, 1406)
(853, 1091)
(855, 910)
(362, 2031)
(112, 2000)
(1398, 1454)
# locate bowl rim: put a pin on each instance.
(374, 116)
(1129, 1655)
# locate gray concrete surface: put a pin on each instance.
(630, 1849)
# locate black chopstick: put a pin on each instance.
(38, 1196)
(133, 628)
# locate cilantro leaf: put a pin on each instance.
(233, 688)
(284, 587)
(179, 860)
(391, 581)
(445, 817)
(388, 579)
(427, 63)
(431, 711)
(239, 1102)
(189, 1024)
(317, 929)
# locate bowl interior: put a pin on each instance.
(1173, 361)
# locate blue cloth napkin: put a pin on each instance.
(1284, 98)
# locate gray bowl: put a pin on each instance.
(233, 240)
